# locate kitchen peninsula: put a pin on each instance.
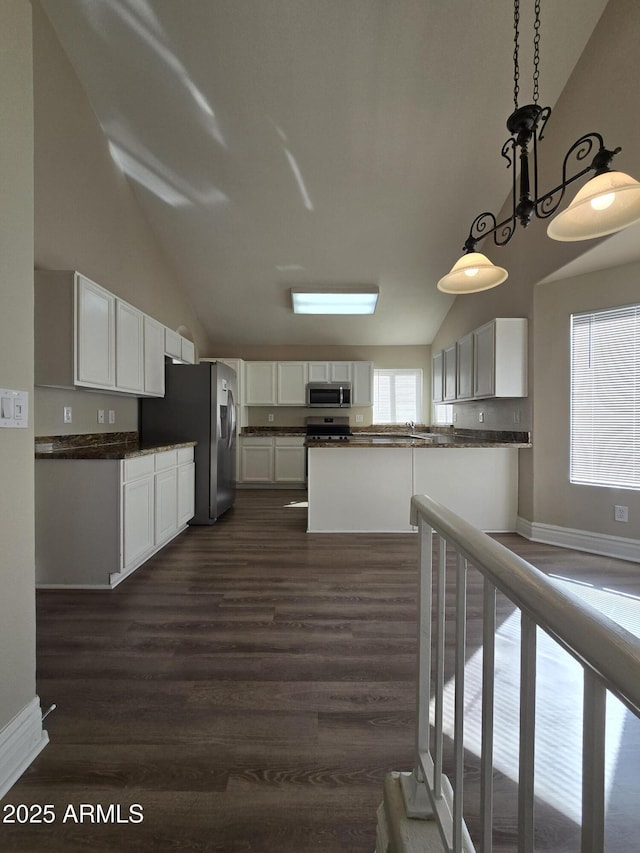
(364, 485)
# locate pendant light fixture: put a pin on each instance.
(607, 203)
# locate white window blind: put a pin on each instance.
(605, 398)
(397, 395)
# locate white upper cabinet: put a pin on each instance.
(260, 383)
(291, 382)
(153, 357)
(500, 358)
(129, 348)
(86, 337)
(330, 371)
(464, 368)
(75, 332)
(436, 377)
(187, 351)
(341, 371)
(172, 343)
(95, 335)
(179, 348)
(283, 383)
(362, 378)
(449, 372)
(319, 371)
(491, 361)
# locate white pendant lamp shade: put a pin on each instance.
(472, 273)
(605, 204)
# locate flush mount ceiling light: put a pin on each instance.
(607, 203)
(333, 300)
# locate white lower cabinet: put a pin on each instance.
(166, 496)
(186, 485)
(289, 459)
(269, 460)
(256, 455)
(115, 515)
(137, 520)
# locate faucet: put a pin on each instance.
(411, 425)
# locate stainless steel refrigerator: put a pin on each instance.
(199, 405)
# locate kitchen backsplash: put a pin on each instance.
(296, 416)
(49, 405)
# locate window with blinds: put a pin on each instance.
(605, 398)
(397, 395)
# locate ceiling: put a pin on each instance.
(280, 143)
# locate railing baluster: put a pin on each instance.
(488, 694)
(440, 643)
(458, 737)
(526, 824)
(425, 597)
(593, 758)
(414, 787)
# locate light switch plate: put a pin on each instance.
(14, 409)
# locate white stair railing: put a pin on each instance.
(609, 656)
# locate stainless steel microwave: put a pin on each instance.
(330, 395)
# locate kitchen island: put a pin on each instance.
(365, 484)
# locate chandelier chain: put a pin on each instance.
(536, 54)
(516, 38)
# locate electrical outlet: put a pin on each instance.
(359, 419)
(270, 417)
(621, 513)
(100, 416)
(112, 416)
(67, 415)
(455, 417)
(481, 417)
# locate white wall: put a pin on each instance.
(598, 97)
(17, 600)
(87, 218)
(556, 500)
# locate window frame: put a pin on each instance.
(417, 373)
(604, 398)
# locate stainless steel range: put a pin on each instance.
(321, 428)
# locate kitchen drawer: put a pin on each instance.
(166, 459)
(185, 454)
(290, 440)
(257, 441)
(139, 466)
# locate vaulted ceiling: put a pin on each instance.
(279, 143)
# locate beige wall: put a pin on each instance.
(84, 405)
(17, 602)
(556, 500)
(598, 97)
(383, 356)
(87, 218)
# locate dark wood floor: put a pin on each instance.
(249, 687)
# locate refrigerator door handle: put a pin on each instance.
(232, 426)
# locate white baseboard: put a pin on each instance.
(619, 547)
(20, 742)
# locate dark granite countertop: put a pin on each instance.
(427, 438)
(422, 443)
(114, 445)
(393, 435)
(272, 432)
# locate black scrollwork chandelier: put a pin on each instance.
(608, 202)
